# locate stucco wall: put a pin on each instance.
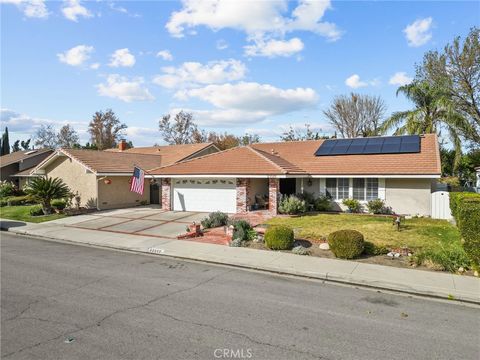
(74, 175)
(117, 194)
(408, 196)
(257, 186)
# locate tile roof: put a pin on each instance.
(298, 157)
(107, 162)
(18, 156)
(170, 153)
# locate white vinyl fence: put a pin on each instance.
(441, 205)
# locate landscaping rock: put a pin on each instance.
(324, 246)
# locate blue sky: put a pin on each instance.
(255, 66)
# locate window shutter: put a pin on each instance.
(381, 188)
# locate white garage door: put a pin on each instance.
(204, 195)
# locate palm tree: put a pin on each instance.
(433, 112)
(44, 190)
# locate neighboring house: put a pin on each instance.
(102, 178)
(477, 173)
(16, 166)
(400, 170)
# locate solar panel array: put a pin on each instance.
(374, 145)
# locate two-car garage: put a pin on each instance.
(204, 195)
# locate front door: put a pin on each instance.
(154, 193)
(288, 186)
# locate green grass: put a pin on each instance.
(22, 213)
(417, 234)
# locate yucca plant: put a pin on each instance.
(44, 190)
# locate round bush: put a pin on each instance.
(346, 244)
(279, 237)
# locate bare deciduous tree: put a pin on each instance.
(299, 134)
(67, 137)
(179, 130)
(105, 129)
(356, 115)
(46, 137)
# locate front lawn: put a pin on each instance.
(417, 233)
(22, 213)
(435, 243)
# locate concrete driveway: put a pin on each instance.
(139, 221)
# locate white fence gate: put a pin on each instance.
(441, 205)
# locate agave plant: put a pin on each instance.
(44, 190)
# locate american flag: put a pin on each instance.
(138, 180)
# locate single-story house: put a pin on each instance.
(401, 170)
(16, 166)
(102, 178)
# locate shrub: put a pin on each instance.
(36, 210)
(44, 190)
(322, 203)
(279, 237)
(370, 248)
(292, 205)
(215, 219)
(443, 259)
(300, 250)
(59, 204)
(346, 244)
(7, 188)
(308, 197)
(376, 206)
(236, 243)
(242, 230)
(353, 205)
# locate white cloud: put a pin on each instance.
(193, 73)
(165, 55)
(76, 56)
(400, 78)
(122, 88)
(95, 66)
(222, 44)
(30, 8)
(275, 132)
(122, 57)
(255, 18)
(72, 10)
(247, 102)
(355, 82)
(418, 33)
(24, 126)
(272, 48)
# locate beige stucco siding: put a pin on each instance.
(77, 179)
(409, 196)
(117, 194)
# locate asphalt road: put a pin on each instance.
(62, 301)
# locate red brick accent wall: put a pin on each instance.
(243, 188)
(273, 194)
(166, 191)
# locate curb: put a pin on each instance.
(325, 277)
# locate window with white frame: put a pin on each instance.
(372, 188)
(343, 188)
(331, 188)
(361, 188)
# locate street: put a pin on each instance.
(75, 302)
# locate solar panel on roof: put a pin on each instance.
(357, 146)
(375, 145)
(341, 147)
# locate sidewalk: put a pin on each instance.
(441, 285)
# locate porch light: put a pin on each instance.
(309, 182)
(107, 181)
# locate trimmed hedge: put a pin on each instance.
(465, 209)
(346, 244)
(17, 200)
(279, 237)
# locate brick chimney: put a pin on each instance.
(122, 145)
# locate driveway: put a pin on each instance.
(139, 221)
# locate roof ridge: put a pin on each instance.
(294, 166)
(195, 158)
(257, 152)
